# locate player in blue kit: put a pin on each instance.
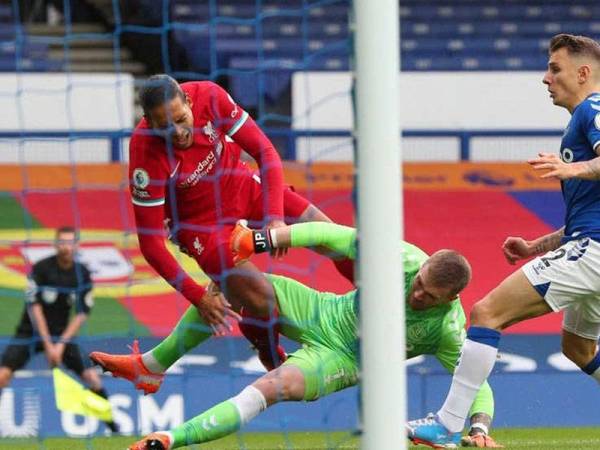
(567, 276)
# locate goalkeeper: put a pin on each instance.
(326, 325)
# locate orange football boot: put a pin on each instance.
(130, 367)
(154, 441)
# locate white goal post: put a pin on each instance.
(381, 283)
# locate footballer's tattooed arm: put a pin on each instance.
(516, 248)
(555, 167)
(548, 242)
(590, 170)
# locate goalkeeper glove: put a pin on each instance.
(479, 440)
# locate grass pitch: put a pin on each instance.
(511, 438)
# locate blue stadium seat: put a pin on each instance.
(474, 46)
(430, 10)
(275, 27)
(32, 49)
(199, 56)
(551, 27)
(524, 28)
(29, 56)
(27, 64)
(6, 13)
(250, 76)
(418, 63)
(282, 26)
(7, 31)
(264, 47)
(190, 10)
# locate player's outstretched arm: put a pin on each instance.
(149, 221)
(340, 240)
(516, 248)
(557, 168)
(41, 325)
(73, 327)
(83, 306)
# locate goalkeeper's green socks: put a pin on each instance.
(340, 239)
(189, 332)
(220, 420)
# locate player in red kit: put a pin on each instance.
(185, 167)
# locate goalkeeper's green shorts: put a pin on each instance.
(325, 325)
(325, 370)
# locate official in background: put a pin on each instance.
(55, 285)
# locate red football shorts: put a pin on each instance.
(208, 243)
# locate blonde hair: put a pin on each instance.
(449, 269)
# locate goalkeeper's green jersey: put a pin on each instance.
(438, 331)
(435, 331)
(328, 321)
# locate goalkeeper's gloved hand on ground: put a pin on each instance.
(480, 440)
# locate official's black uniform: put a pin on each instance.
(57, 290)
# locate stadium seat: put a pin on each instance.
(285, 36)
(273, 76)
(517, 32)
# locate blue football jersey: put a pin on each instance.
(582, 197)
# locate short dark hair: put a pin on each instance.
(575, 45)
(157, 90)
(66, 229)
(449, 269)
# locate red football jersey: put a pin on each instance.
(200, 184)
(206, 177)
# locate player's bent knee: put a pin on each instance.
(253, 292)
(482, 315)
(283, 384)
(294, 389)
(493, 312)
